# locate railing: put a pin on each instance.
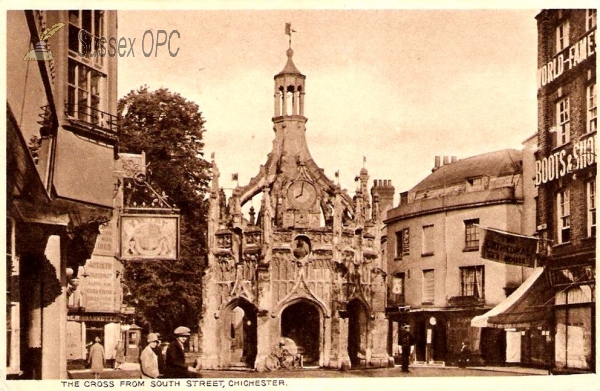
(97, 119)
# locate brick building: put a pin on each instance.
(566, 178)
(307, 267)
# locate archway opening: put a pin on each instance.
(357, 333)
(301, 323)
(240, 334)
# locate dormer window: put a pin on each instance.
(476, 183)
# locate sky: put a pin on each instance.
(397, 87)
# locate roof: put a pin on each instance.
(290, 68)
(493, 164)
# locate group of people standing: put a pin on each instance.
(173, 365)
(153, 363)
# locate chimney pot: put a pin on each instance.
(446, 159)
(437, 162)
(454, 159)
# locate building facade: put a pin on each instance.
(60, 184)
(566, 178)
(307, 267)
(438, 280)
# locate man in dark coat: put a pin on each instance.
(406, 341)
(175, 365)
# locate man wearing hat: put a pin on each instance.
(148, 359)
(406, 341)
(175, 366)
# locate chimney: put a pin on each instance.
(454, 159)
(446, 159)
(437, 163)
(385, 194)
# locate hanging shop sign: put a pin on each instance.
(149, 237)
(567, 59)
(509, 248)
(580, 155)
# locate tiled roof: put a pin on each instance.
(492, 164)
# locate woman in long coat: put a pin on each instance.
(96, 358)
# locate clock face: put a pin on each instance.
(301, 195)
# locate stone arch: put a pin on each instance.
(302, 320)
(238, 333)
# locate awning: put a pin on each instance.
(526, 307)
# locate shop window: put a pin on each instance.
(428, 286)
(403, 243)
(398, 289)
(563, 122)
(427, 240)
(472, 281)
(591, 18)
(471, 234)
(591, 208)
(562, 36)
(564, 216)
(592, 110)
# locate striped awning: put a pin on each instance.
(526, 307)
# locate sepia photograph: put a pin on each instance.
(290, 195)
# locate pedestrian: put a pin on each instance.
(406, 342)
(175, 365)
(160, 354)
(463, 359)
(119, 355)
(148, 359)
(96, 358)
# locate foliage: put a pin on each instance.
(169, 129)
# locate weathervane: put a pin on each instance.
(288, 32)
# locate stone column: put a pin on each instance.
(264, 320)
(54, 321)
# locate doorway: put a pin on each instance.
(240, 334)
(301, 322)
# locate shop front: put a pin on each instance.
(525, 317)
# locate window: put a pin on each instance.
(591, 18)
(563, 122)
(562, 36)
(471, 281)
(471, 234)
(427, 240)
(428, 286)
(592, 110)
(398, 289)
(85, 80)
(564, 216)
(84, 92)
(591, 208)
(86, 29)
(402, 243)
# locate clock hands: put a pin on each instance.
(301, 191)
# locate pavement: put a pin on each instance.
(132, 371)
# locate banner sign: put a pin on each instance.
(509, 248)
(149, 237)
